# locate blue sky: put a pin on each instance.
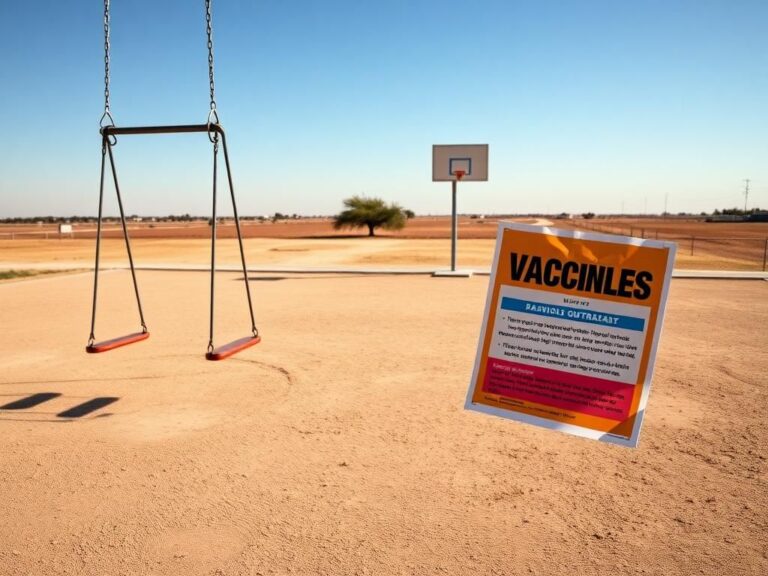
(586, 105)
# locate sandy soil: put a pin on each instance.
(260, 252)
(339, 444)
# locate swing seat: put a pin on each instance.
(232, 348)
(116, 342)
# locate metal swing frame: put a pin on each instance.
(215, 132)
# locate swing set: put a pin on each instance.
(109, 133)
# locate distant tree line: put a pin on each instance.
(47, 219)
(133, 217)
(737, 212)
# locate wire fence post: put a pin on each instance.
(765, 253)
(693, 240)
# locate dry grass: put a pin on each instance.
(21, 274)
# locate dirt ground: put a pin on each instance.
(276, 252)
(260, 252)
(419, 227)
(339, 445)
(424, 242)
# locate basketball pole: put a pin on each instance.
(454, 226)
(453, 163)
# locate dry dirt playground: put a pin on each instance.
(339, 445)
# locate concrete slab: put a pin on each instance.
(453, 273)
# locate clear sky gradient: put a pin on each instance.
(586, 105)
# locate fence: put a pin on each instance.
(742, 251)
(29, 235)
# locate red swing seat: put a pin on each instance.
(97, 347)
(232, 348)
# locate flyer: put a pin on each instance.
(571, 328)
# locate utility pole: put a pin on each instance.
(746, 194)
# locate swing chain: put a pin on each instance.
(213, 115)
(106, 118)
(107, 115)
(213, 120)
(209, 32)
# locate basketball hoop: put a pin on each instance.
(452, 163)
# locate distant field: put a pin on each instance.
(424, 241)
(422, 227)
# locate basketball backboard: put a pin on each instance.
(471, 159)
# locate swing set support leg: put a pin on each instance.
(235, 346)
(94, 347)
(215, 132)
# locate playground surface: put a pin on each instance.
(339, 445)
